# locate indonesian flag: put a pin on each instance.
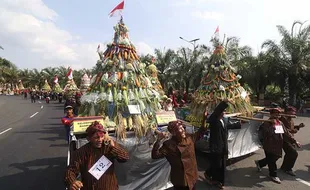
(217, 32)
(69, 74)
(153, 59)
(56, 79)
(118, 9)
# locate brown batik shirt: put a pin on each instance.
(289, 124)
(85, 157)
(273, 142)
(182, 158)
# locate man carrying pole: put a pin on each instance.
(289, 143)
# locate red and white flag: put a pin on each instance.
(118, 9)
(217, 32)
(69, 74)
(56, 79)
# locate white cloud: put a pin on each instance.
(199, 2)
(28, 26)
(206, 15)
(144, 49)
(33, 7)
(31, 38)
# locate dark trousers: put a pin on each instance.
(270, 160)
(217, 167)
(290, 156)
(182, 188)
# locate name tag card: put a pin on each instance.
(134, 109)
(279, 129)
(100, 167)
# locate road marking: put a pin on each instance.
(302, 181)
(42, 107)
(5, 131)
(40, 102)
(34, 114)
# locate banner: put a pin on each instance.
(164, 117)
(80, 124)
(185, 115)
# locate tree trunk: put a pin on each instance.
(187, 85)
(261, 96)
(292, 81)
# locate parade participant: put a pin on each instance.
(33, 97)
(289, 143)
(288, 121)
(67, 120)
(272, 144)
(85, 157)
(180, 153)
(218, 145)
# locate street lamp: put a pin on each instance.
(193, 42)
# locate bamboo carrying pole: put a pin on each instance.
(282, 114)
(253, 119)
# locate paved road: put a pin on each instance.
(33, 152)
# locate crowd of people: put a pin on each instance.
(276, 134)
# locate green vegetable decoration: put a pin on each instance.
(220, 82)
(121, 90)
(153, 79)
(57, 88)
(46, 87)
(70, 89)
(20, 85)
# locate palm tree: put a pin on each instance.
(7, 70)
(25, 77)
(164, 60)
(37, 78)
(188, 64)
(258, 72)
(62, 75)
(49, 74)
(233, 50)
(292, 54)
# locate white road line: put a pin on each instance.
(34, 114)
(42, 107)
(40, 102)
(5, 131)
(302, 181)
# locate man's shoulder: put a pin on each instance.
(85, 148)
(169, 142)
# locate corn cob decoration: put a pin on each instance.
(125, 82)
(219, 83)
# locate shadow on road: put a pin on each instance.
(54, 133)
(305, 147)
(55, 118)
(38, 174)
(58, 124)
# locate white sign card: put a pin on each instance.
(279, 129)
(100, 167)
(134, 109)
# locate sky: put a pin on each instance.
(44, 33)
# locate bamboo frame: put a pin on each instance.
(253, 119)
